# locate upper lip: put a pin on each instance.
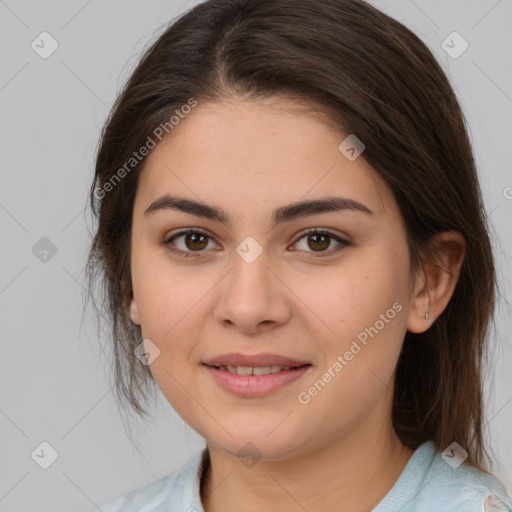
(238, 359)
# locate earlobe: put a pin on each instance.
(438, 279)
(420, 313)
(134, 313)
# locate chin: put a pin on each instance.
(252, 445)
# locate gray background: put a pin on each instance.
(53, 384)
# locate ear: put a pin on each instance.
(439, 277)
(134, 312)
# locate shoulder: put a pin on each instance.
(150, 495)
(177, 489)
(465, 487)
(438, 481)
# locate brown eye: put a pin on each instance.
(320, 242)
(196, 241)
(186, 243)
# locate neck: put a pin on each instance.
(355, 472)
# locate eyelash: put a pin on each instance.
(187, 254)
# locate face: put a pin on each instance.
(328, 289)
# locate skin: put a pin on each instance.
(249, 158)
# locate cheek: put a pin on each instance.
(350, 297)
(173, 308)
(164, 294)
(360, 317)
(171, 317)
(359, 359)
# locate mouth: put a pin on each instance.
(256, 381)
(256, 370)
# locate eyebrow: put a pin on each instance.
(282, 214)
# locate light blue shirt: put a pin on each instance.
(427, 484)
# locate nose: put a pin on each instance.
(252, 298)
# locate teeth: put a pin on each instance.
(243, 370)
(254, 370)
(262, 370)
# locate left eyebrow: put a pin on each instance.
(279, 215)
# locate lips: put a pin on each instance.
(252, 376)
(254, 386)
(256, 360)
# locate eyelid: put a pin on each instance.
(183, 232)
(338, 238)
(320, 231)
(341, 240)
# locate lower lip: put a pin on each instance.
(255, 385)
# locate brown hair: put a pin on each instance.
(374, 78)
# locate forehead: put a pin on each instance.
(248, 154)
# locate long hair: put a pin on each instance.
(372, 77)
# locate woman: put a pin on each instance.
(294, 249)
